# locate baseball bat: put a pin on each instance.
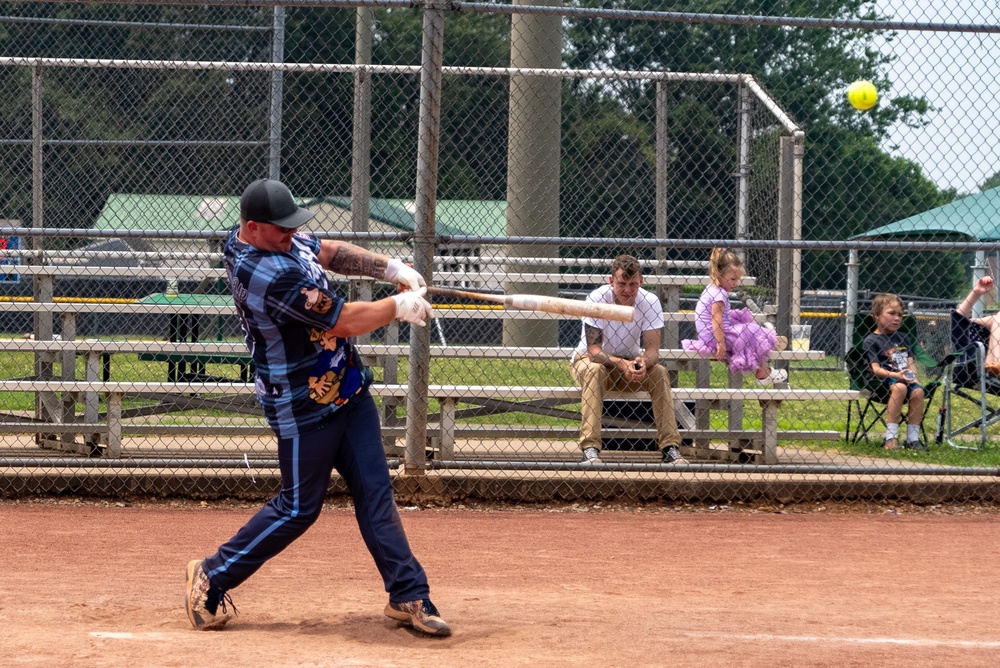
(573, 307)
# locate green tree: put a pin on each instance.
(992, 182)
(86, 108)
(850, 184)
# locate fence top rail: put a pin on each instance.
(352, 68)
(488, 272)
(204, 256)
(860, 244)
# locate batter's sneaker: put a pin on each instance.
(421, 615)
(202, 602)
(591, 456)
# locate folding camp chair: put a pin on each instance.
(968, 380)
(871, 407)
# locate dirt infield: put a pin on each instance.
(100, 584)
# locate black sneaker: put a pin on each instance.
(672, 455)
(915, 445)
(421, 615)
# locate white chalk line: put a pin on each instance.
(913, 642)
(124, 635)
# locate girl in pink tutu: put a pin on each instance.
(730, 335)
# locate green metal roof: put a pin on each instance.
(452, 217)
(169, 212)
(474, 217)
(194, 212)
(976, 217)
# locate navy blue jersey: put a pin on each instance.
(286, 307)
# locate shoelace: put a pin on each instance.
(223, 600)
(429, 608)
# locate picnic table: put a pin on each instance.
(185, 327)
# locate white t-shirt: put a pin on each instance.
(623, 339)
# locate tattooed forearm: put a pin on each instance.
(354, 261)
(595, 336)
(595, 339)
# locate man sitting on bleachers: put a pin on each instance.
(624, 356)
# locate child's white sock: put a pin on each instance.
(913, 432)
(891, 430)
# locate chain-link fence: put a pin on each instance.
(540, 142)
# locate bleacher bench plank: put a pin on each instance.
(447, 395)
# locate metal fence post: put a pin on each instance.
(978, 271)
(851, 312)
(786, 228)
(669, 298)
(533, 169)
(432, 54)
(361, 142)
(277, 87)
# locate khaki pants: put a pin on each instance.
(594, 379)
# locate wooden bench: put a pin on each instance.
(506, 397)
(521, 397)
(694, 426)
(177, 361)
(694, 423)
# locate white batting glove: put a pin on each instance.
(402, 274)
(412, 307)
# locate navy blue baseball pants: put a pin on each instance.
(352, 443)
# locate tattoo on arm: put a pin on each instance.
(594, 336)
(354, 261)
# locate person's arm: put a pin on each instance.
(650, 348)
(595, 350)
(871, 348)
(357, 318)
(982, 286)
(882, 373)
(648, 358)
(350, 260)
(718, 309)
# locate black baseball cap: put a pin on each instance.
(270, 201)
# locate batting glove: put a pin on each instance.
(412, 307)
(402, 274)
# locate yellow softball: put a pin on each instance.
(862, 95)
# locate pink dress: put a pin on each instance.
(748, 344)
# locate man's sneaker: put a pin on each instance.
(421, 615)
(776, 376)
(890, 444)
(197, 600)
(915, 445)
(591, 456)
(672, 455)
